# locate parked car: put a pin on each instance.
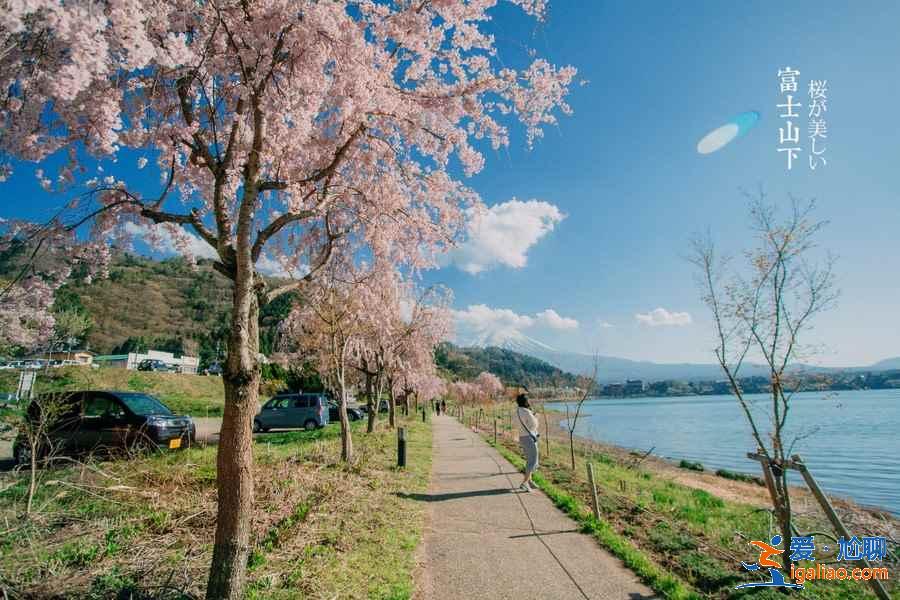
(290, 410)
(334, 412)
(383, 407)
(213, 369)
(154, 364)
(91, 421)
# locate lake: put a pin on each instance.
(855, 452)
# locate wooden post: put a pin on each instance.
(401, 447)
(595, 502)
(495, 431)
(797, 464)
(423, 414)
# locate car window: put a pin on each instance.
(97, 405)
(61, 407)
(144, 404)
(278, 403)
(301, 402)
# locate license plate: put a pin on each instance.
(176, 443)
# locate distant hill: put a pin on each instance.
(613, 369)
(163, 305)
(888, 364)
(513, 368)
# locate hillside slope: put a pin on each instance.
(511, 367)
(185, 394)
(164, 305)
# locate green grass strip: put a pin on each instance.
(652, 574)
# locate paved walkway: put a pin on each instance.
(485, 541)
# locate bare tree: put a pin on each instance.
(34, 445)
(589, 385)
(546, 430)
(760, 314)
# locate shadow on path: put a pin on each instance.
(452, 495)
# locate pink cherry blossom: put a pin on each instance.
(294, 129)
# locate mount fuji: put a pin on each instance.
(510, 339)
(610, 368)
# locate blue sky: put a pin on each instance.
(625, 171)
(622, 188)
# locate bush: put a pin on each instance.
(691, 466)
(735, 476)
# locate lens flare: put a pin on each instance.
(720, 137)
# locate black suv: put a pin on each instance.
(334, 412)
(85, 422)
(154, 364)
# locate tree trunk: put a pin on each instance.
(346, 439)
(392, 406)
(234, 459)
(32, 485)
(370, 402)
(572, 449)
(783, 512)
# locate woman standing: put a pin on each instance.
(528, 439)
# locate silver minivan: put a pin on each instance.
(290, 411)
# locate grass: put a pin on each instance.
(145, 526)
(683, 542)
(636, 560)
(185, 394)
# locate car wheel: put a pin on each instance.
(310, 425)
(257, 426)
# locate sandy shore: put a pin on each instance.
(859, 520)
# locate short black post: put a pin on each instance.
(495, 431)
(401, 447)
(423, 414)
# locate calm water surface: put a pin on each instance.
(853, 452)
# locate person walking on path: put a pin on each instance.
(528, 439)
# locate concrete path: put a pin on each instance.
(484, 540)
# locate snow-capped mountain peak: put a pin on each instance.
(510, 339)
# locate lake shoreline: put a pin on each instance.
(859, 519)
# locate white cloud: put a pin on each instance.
(480, 324)
(662, 317)
(481, 317)
(551, 319)
(170, 240)
(503, 235)
(280, 268)
(604, 324)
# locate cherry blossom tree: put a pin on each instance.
(422, 322)
(325, 328)
(489, 386)
(36, 260)
(278, 127)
